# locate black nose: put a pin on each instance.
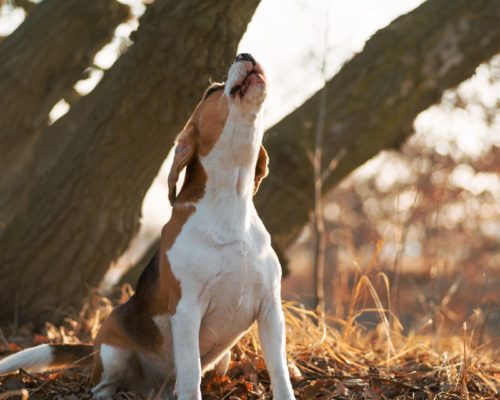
(245, 57)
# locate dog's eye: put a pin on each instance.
(212, 89)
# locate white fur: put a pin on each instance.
(34, 359)
(229, 273)
(115, 362)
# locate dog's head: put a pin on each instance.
(226, 118)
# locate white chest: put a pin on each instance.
(223, 245)
(226, 269)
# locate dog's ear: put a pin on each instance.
(185, 150)
(261, 169)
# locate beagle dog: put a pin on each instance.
(215, 274)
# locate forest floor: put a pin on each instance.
(345, 362)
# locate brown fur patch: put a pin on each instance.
(261, 169)
(194, 183)
(210, 119)
(169, 292)
(130, 327)
(197, 139)
(95, 375)
(75, 354)
(184, 153)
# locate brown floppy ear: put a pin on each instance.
(185, 150)
(261, 169)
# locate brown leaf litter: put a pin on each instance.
(345, 362)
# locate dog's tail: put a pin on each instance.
(47, 356)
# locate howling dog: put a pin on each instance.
(215, 273)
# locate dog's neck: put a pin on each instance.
(230, 166)
(222, 182)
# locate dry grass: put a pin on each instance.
(345, 362)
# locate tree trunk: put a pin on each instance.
(372, 103)
(26, 5)
(94, 165)
(39, 64)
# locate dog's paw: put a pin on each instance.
(103, 391)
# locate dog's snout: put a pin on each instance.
(245, 57)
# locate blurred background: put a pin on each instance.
(420, 219)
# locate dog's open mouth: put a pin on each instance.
(240, 88)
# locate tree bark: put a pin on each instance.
(94, 166)
(26, 5)
(372, 103)
(39, 64)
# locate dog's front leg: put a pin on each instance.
(271, 323)
(185, 334)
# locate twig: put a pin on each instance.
(3, 339)
(465, 392)
(319, 223)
